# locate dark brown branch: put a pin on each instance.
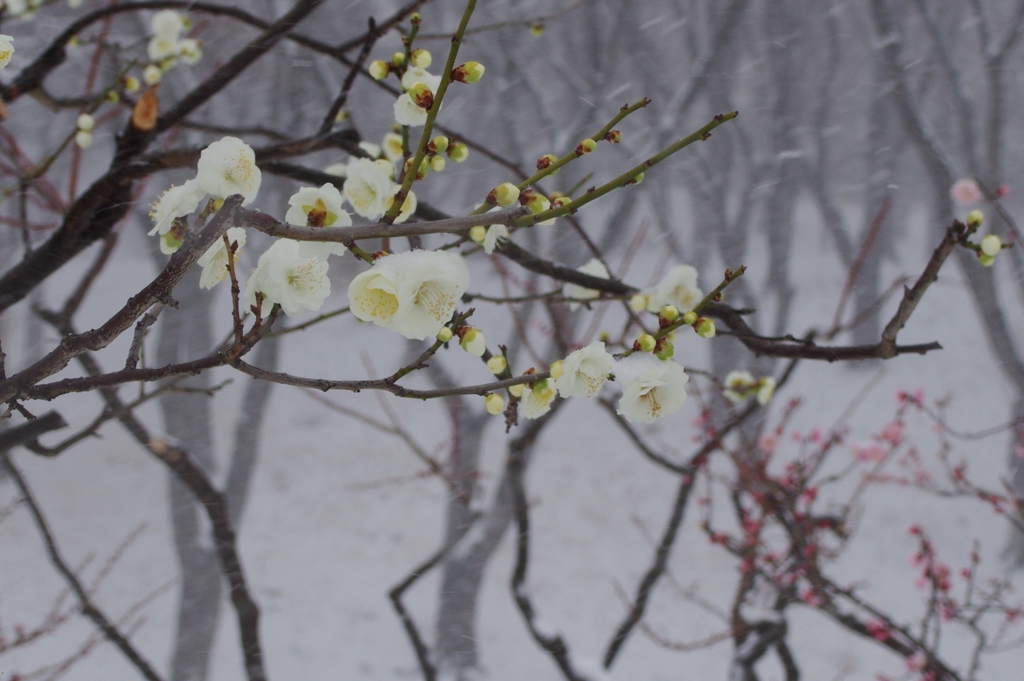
(89, 609)
(395, 594)
(159, 290)
(554, 644)
(350, 79)
(269, 225)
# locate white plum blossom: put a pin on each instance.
(766, 390)
(408, 112)
(678, 287)
(161, 47)
(412, 293)
(215, 261)
(392, 146)
(417, 75)
(372, 150)
(652, 388)
(493, 235)
(317, 207)
(6, 50)
(339, 169)
(190, 50)
(584, 371)
(228, 166)
(287, 278)
(368, 188)
(594, 268)
(167, 23)
(536, 401)
(738, 385)
(176, 202)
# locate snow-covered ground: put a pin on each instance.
(338, 513)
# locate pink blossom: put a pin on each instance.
(893, 433)
(1002, 191)
(966, 192)
(810, 597)
(916, 661)
(869, 451)
(878, 629)
(814, 435)
(1019, 451)
(768, 442)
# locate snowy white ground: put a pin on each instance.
(321, 547)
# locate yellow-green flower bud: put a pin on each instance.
(975, 218)
(437, 163)
(613, 136)
(666, 351)
(152, 74)
(604, 337)
(468, 73)
(438, 145)
(986, 260)
(505, 194)
(113, 96)
(83, 139)
(537, 203)
(458, 152)
(497, 365)
(379, 69)
(398, 58)
(415, 18)
(537, 30)
(86, 122)
(556, 370)
(585, 147)
(705, 328)
(516, 390)
(421, 94)
(445, 334)
(494, 404)
(540, 387)
(637, 179)
(473, 342)
(991, 245)
(645, 343)
(670, 312)
(546, 161)
(421, 59)
(478, 233)
(131, 84)
(638, 303)
(690, 317)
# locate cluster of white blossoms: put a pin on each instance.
(741, 385)
(290, 273)
(651, 387)
(166, 46)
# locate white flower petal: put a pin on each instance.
(652, 388)
(176, 202)
(585, 371)
(215, 261)
(228, 166)
(368, 188)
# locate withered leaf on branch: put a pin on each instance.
(146, 110)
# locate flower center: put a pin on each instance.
(435, 300)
